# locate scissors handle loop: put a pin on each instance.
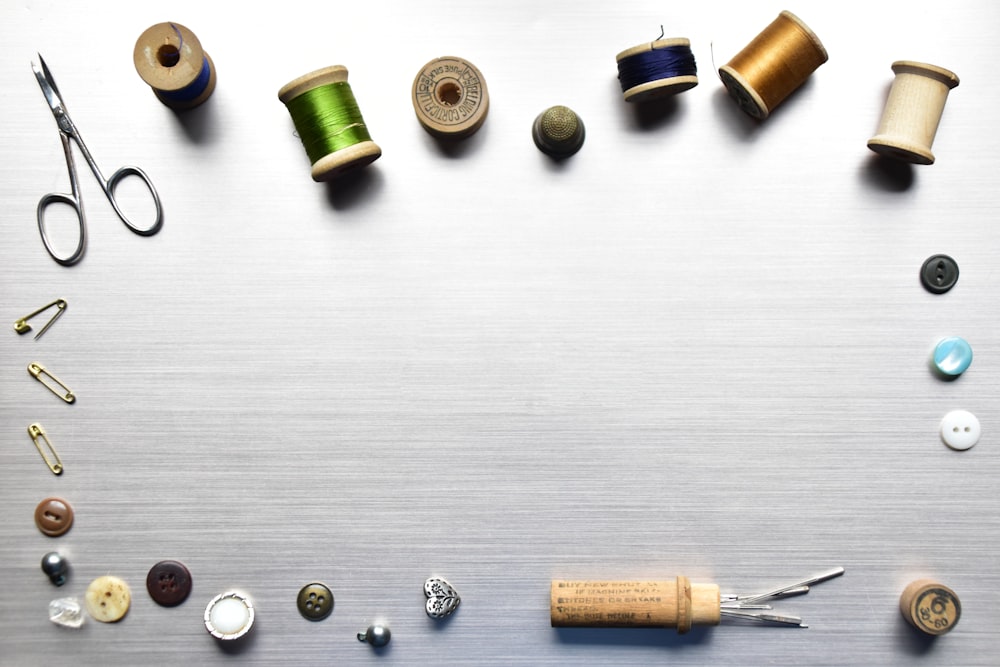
(74, 203)
(112, 185)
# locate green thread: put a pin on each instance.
(328, 119)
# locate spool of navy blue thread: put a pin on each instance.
(657, 69)
(169, 58)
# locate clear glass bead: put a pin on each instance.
(66, 612)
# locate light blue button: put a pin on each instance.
(952, 356)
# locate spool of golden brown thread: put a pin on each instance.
(773, 65)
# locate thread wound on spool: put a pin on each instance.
(329, 122)
(657, 69)
(773, 65)
(170, 59)
(450, 97)
(913, 112)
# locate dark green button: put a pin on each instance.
(315, 601)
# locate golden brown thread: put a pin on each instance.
(774, 64)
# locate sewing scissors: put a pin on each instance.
(67, 131)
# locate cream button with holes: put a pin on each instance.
(108, 599)
(960, 429)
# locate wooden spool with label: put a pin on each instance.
(450, 97)
(930, 607)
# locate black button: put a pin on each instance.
(315, 601)
(939, 274)
(168, 583)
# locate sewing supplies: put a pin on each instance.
(960, 430)
(558, 132)
(657, 69)
(773, 65)
(60, 389)
(450, 98)
(54, 516)
(951, 357)
(66, 612)
(315, 601)
(329, 123)
(169, 583)
(442, 598)
(229, 616)
(377, 635)
(67, 131)
(22, 327)
(56, 567)
(675, 603)
(108, 599)
(938, 274)
(169, 58)
(913, 111)
(930, 607)
(38, 436)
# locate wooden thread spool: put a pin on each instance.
(675, 603)
(674, 82)
(333, 164)
(450, 97)
(773, 65)
(913, 111)
(930, 607)
(169, 58)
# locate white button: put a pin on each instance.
(229, 616)
(960, 429)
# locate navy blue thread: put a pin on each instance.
(656, 64)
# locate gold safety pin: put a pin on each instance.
(37, 371)
(22, 327)
(38, 433)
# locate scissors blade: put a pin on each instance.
(49, 89)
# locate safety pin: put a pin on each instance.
(37, 371)
(21, 326)
(37, 432)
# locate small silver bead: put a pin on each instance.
(376, 635)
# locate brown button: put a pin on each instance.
(53, 516)
(168, 583)
(315, 601)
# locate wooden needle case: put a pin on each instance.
(674, 603)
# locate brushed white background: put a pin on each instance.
(697, 347)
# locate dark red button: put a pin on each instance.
(53, 516)
(168, 583)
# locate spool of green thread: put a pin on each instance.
(329, 122)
